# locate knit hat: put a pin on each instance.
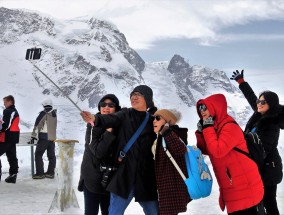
(171, 116)
(147, 93)
(47, 102)
(272, 100)
(113, 98)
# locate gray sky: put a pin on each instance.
(221, 34)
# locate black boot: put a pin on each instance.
(11, 178)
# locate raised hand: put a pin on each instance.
(237, 76)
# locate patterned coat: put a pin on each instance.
(239, 181)
(172, 191)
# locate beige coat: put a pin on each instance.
(47, 124)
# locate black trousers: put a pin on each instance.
(93, 201)
(269, 200)
(49, 147)
(11, 153)
(255, 210)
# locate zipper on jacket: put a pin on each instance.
(229, 175)
(91, 135)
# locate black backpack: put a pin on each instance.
(256, 150)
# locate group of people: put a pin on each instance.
(124, 157)
(43, 136)
(113, 172)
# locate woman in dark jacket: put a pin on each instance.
(98, 162)
(266, 121)
(173, 194)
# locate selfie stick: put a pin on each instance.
(58, 88)
(33, 55)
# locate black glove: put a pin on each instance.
(199, 126)
(209, 122)
(32, 141)
(237, 76)
(164, 128)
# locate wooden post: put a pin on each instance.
(65, 196)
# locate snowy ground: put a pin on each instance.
(34, 197)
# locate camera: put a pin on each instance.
(107, 173)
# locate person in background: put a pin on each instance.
(266, 121)
(44, 133)
(98, 160)
(173, 194)
(240, 184)
(135, 175)
(9, 137)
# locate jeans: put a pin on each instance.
(93, 201)
(118, 205)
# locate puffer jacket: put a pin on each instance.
(239, 181)
(268, 129)
(99, 147)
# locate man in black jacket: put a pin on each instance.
(135, 174)
(9, 136)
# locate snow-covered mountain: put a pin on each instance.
(88, 58)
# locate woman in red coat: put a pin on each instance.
(240, 184)
(173, 195)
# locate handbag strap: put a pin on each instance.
(172, 159)
(123, 152)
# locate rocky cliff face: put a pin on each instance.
(87, 57)
(191, 79)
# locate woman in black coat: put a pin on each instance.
(266, 121)
(98, 162)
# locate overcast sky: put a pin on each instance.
(221, 34)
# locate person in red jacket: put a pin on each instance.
(240, 185)
(9, 136)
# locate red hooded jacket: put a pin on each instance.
(239, 181)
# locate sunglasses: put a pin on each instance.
(104, 104)
(136, 94)
(202, 108)
(262, 102)
(158, 118)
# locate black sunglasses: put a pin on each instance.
(104, 104)
(157, 118)
(262, 102)
(202, 108)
